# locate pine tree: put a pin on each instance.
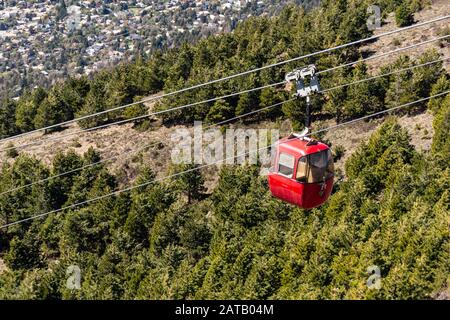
(25, 113)
(94, 102)
(52, 110)
(219, 111)
(404, 15)
(189, 181)
(7, 118)
(61, 10)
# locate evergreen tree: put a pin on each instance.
(404, 15)
(95, 102)
(7, 118)
(25, 113)
(52, 110)
(189, 181)
(219, 111)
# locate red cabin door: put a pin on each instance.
(291, 190)
(283, 183)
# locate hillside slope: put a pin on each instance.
(117, 140)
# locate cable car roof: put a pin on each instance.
(301, 146)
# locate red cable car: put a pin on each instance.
(302, 171)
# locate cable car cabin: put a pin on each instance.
(302, 172)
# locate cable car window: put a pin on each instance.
(320, 166)
(319, 159)
(273, 157)
(330, 168)
(286, 164)
(302, 169)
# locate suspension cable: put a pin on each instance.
(207, 165)
(384, 54)
(232, 76)
(135, 150)
(384, 74)
(132, 151)
(142, 116)
(217, 98)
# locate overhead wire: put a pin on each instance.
(384, 75)
(232, 76)
(383, 54)
(132, 151)
(214, 99)
(143, 116)
(88, 201)
(147, 146)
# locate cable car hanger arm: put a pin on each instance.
(306, 82)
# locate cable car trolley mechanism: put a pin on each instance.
(302, 171)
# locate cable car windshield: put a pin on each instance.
(286, 164)
(315, 167)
